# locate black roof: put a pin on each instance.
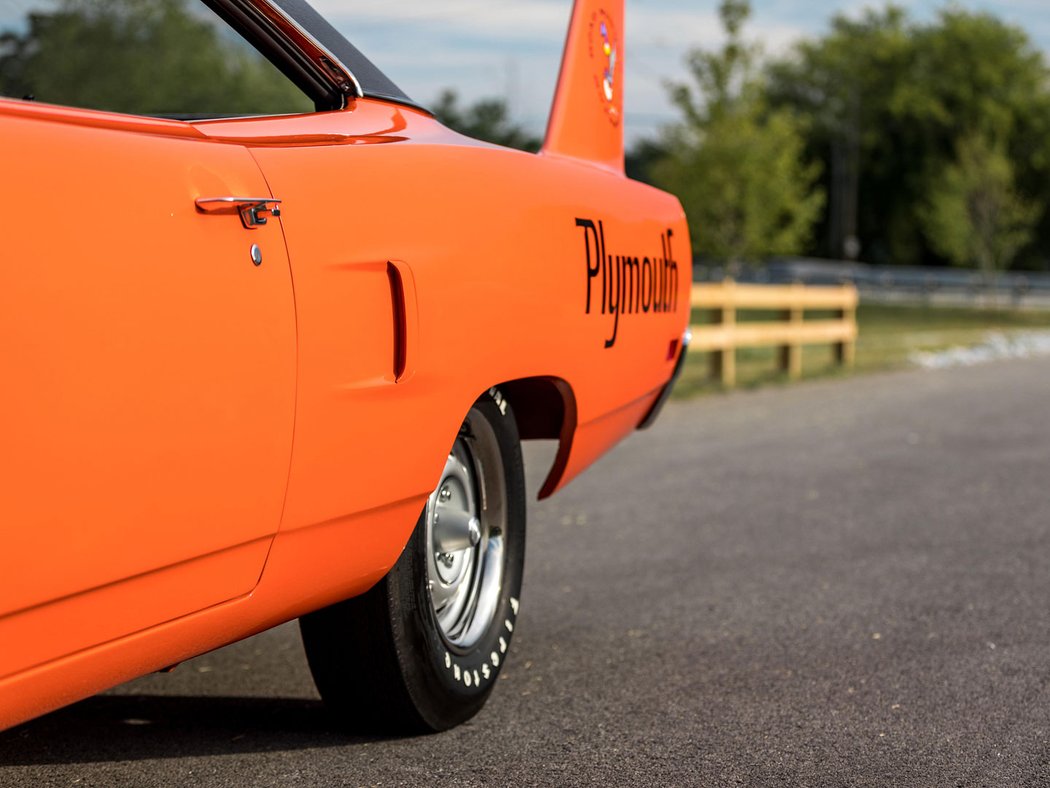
(374, 83)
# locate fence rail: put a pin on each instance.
(725, 334)
(900, 284)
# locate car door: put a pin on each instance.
(149, 377)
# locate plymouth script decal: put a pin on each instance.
(629, 284)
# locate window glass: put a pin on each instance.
(168, 58)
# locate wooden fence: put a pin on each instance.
(725, 334)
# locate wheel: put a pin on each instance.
(421, 651)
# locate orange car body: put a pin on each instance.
(198, 448)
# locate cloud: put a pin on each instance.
(497, 19)
(512, 48)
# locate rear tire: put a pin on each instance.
(421, 651)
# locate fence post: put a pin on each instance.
(723, 360)
(790, 360)
(846, 351)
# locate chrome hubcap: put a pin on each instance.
(465, 522)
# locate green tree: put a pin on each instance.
(973, 214)
(643, 155)
(842, 85)
(885, 102)
(147, 57)
(737, 166)
(486, 119)
(989, 81)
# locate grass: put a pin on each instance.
(887, 336)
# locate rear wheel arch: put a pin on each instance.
(545, 408)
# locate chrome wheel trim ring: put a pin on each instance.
(465, 583)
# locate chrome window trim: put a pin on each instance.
(285, 22)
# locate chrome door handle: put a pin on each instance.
(253, 210)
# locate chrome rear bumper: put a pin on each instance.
(657, 406)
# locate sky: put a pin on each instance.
(512, 48)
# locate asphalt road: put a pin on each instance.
(844, 582)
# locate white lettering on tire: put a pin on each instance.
(473, 677)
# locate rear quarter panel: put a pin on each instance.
(502, 246)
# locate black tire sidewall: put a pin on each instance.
(449, 685)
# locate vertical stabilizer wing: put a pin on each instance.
(586, 120)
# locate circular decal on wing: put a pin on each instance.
(605, 51)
